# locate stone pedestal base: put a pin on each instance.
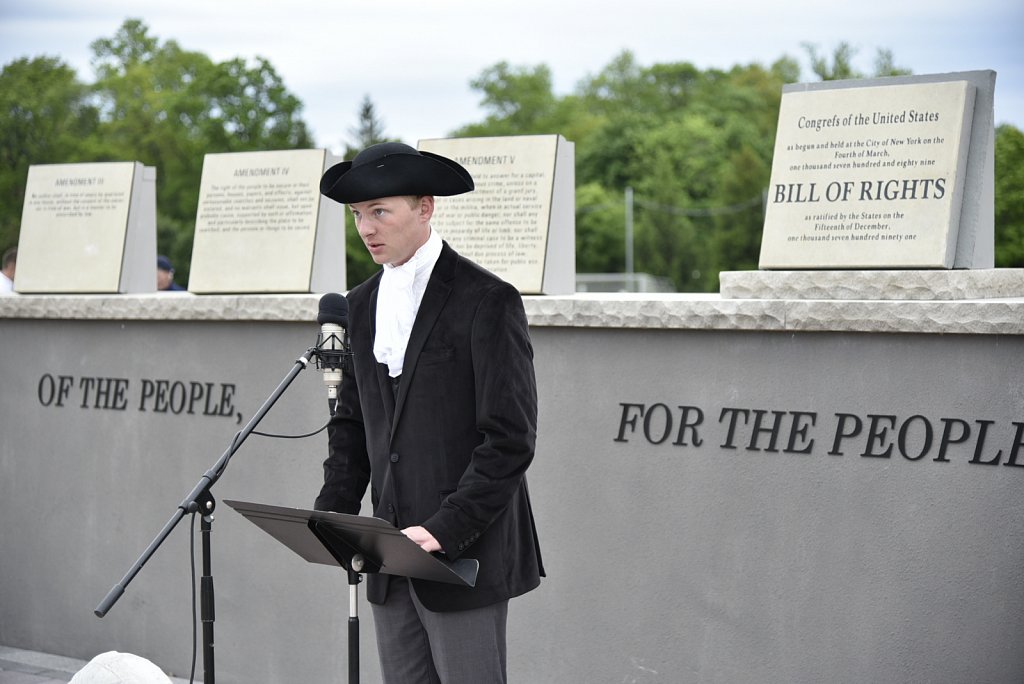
(890, 285)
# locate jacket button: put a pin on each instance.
(391, 508)
(394, 457)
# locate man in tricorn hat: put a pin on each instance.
(438, 417)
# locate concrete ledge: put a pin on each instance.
(673, 311)
(987, 317)
(178, 306)
(902, 285)
(710, 312)
(597, 310)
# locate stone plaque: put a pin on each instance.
(869, 177)
(88, 228)
(262, 225)
(520, 222)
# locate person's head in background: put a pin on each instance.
(7, 265)
(10, 260)
(165, 274)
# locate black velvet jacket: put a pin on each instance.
(450, 452)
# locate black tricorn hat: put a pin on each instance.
(394, 169)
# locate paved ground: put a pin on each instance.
(18, 666)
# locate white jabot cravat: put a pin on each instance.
(398, 299)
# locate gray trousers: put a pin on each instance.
(417, 646)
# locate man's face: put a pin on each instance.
(393, 228)
(163, 279)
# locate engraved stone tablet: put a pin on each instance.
(520, 222)
(262, 225)
(869, 177)
(88, 228)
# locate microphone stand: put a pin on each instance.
(355, 566)
(200, 499)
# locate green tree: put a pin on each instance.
(885, 65)
(600, 239)
(696, 146)
(678, 182)
(519, 99)
(609, 155)
(369, 130)
(45, 114)
(841, 66)
(1009, 197)
(628, 101)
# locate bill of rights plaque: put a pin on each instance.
(869, 177)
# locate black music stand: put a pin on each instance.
(359, 545)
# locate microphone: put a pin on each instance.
(332, 346)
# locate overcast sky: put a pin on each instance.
(415, 59)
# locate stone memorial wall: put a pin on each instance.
(745, 490)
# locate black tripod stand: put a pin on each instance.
(201, 500)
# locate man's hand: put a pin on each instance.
(423, 539)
